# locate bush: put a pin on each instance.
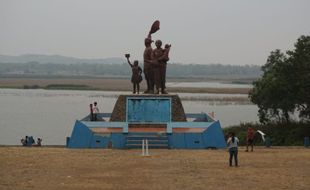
(281, 134)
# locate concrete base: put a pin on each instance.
(159, 119)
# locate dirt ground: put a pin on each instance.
(61, 168)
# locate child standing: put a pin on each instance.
(136, 77)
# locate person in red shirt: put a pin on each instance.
(250, 139)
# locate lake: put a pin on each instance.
(51, 114)
(208, 84)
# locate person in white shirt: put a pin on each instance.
(95, 111)
(232, 144)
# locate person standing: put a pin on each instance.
(232, 144)
(95, 111)
(250, 139)
(23, 141)
(39, 142)
(91, 114)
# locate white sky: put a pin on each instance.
(236, 32)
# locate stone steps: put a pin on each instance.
(155, 140)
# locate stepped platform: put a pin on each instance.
(155, 140)
(158, 118)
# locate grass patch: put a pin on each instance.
(10, 87)
(69, 87)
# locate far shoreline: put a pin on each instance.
(105, 84)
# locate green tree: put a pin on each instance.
(284, 87)
(299, 61)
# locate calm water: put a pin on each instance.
(51, 114)
(207, 85)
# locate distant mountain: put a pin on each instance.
(56, 65)
(57, 59)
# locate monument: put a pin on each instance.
(154, 116)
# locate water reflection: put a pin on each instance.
(207, 85)
(51, 114)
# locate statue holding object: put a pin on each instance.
(155, 62)
(147, 65)
(136, 77)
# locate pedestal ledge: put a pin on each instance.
(119, 111)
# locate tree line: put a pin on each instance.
(122, 70)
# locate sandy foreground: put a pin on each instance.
(61, 168)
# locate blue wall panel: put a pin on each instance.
(148, 110)
(213, 136)
(194, 140)
(176, 140)
(81, 136)
(99, 141)
(118, 140)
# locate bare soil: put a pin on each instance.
(60, 168)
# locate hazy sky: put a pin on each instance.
(237, 32)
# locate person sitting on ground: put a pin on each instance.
(30, 141)
(250, 139)
(39, 142)
(136, 77)
(24, 142)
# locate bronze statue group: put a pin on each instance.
(154, 69)
(154, 65)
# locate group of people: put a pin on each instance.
(29, 141)
(232, 144)
(154, 65)
(94, 111)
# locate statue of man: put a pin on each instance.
(148, 68)
(148, 60)
(155, 62)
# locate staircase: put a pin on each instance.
(155, 140)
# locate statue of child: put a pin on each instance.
(136, 77)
